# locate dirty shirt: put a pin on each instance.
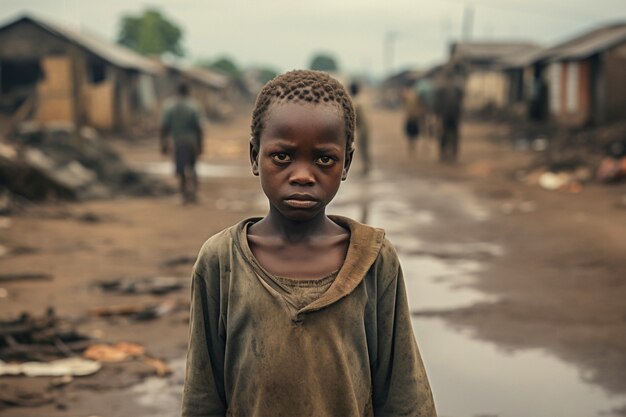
(347, 351)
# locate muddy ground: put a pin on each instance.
(557, 281)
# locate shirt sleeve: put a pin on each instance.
(203, 394)
(400, 384)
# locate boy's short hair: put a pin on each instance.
(303, 86)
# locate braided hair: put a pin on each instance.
(307, 87)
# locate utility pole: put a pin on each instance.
(388, 44)
(468, 23)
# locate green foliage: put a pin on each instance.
(150, 34)
(324, 62)
(265, 74)
(224, 65)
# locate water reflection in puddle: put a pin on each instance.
(474, 378)
(162, 396)
(469, 377)
(203, 169)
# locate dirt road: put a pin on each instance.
(517, 292)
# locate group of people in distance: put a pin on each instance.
(435, 112)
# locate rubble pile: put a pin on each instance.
(59, 161)
(570, 160)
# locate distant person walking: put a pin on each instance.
(412, 114)
(448, 102)
(362, 127)
(182, 122)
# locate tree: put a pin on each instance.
(324, 62)
(150, 34)
(225, 65)
(265, 74)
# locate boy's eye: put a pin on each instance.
(281, 157)
(325, 161)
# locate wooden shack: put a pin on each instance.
(586, 77)
(50, 73)
(487, 84)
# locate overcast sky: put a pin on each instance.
(284, 34)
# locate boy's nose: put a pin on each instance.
(301, 175)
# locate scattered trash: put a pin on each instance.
(19, 250)
(160, 367)
(524, 207)
(61, 381)
(611, 170)
(114, 353)
(89, 218)
(149, 285)
(25, 276)
(137, 312)
(39, 338)
(551, 181)
(179, 260)
(14, 396)
(58, 367)
(562, 181)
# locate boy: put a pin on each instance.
(299, 313)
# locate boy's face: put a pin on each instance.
(302, 157)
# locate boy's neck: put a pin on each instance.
(295, 231)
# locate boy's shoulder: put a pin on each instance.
(224, 238)
(220, 244)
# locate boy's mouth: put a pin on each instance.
(301, 201)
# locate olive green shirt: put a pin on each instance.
(350, 352)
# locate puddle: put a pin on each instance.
(473, 378)
(469, 377)
(203, 169)
(162, 396)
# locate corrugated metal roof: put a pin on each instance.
(207, 77)
(489, 51)
(116, 55)
(590, 43)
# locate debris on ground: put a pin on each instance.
(29, 338)
(25, 276)
(138, 312)
(611, 170)
(148, 285)
(114, 353)
(14, 396)
(56, 160)
(523, 207)
(178, 260)
(59, 367)
(125, 351)
(571, 159)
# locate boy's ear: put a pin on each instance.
(254, 157)
(346, 164)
